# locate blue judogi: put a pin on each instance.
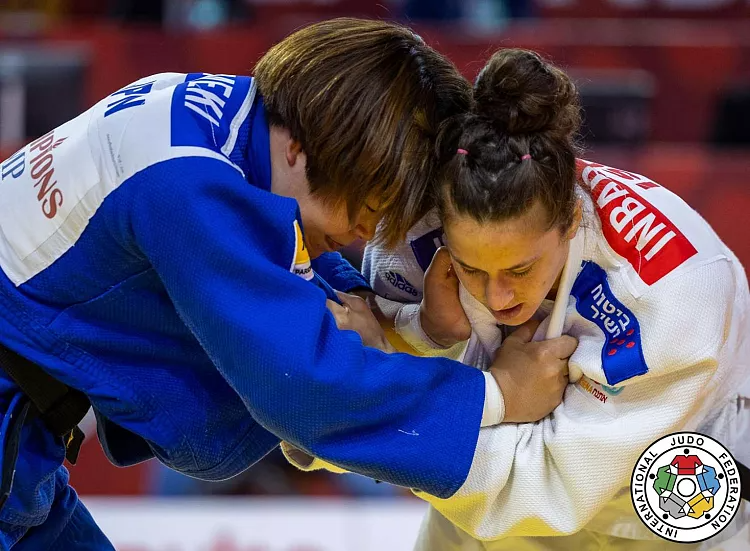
(146, 263)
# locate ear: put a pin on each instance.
(577, 218)
(295, 156)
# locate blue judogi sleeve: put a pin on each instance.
(337, 271)
(224, 250)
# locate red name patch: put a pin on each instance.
(634, 228)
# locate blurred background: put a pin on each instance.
(666, 89)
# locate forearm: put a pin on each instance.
(270, 335)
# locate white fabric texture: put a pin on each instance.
(408, 325)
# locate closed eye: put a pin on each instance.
(522, 273)
(469, 271)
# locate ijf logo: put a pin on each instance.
(686, 487)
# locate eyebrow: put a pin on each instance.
(524, 264)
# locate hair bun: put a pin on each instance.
(521, 93)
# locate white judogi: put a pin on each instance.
(661, 309)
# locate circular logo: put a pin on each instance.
(686, 487)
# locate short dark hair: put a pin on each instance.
(365, 99)
(517, 147)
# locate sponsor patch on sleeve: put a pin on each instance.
(622, 352)
(301, 263)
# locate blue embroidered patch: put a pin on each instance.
(622, 354)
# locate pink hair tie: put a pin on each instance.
(527, 156)
(462, 151)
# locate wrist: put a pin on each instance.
(362, 292)
(494, 402)
(408, 325)
(505, 387)
(432, 335)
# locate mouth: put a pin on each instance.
(507, 313)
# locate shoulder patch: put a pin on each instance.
(49, 190)
(207, 111)
(634, 228)
(622, 353)
(301, 263)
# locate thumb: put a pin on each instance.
(335, 309)
(346, 299)
(563, 347)
(340, 314)
(525, 332)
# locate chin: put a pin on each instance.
(520, 319)
(517, 323)
(314, 251)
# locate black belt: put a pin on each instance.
(59, 406)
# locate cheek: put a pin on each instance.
(539, 286)
(538, 289)
(330, 221)
(338, 228)
(474, 284)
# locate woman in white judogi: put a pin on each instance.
(659, 304)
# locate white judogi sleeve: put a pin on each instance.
(553, 476)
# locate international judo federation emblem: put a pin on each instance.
(686, 487)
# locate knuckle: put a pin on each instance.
(556, 375)
(544, 356)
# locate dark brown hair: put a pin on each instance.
(518, 147)
(365, 99)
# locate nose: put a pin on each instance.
(499, 295)
(365, 230)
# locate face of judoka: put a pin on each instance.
(509, 266)
(328, 227)
(327, 224)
